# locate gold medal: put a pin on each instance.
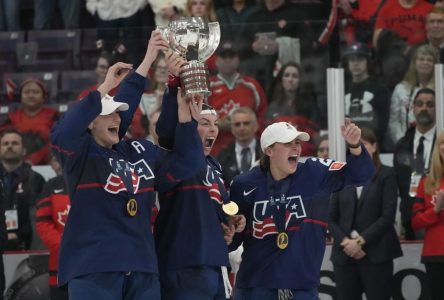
(131, 207)
(230, 208)
(282, 240)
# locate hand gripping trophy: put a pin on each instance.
(196, 41)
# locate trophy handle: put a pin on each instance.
(213, 41)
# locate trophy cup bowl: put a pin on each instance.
(196, 41)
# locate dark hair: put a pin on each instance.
(37, 81)
(319, 140)
(304, 102)
(369, 136)
(264, 162)
(9, 130)
(108, 56)
(345, 63)
(425, 91)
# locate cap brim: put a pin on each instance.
(108, 107)
(303, 136)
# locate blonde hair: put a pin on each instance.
(411, 77)
(436, 170)
(211, 13)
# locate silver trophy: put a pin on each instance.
(196, 41)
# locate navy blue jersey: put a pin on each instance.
(187, 231)
(305, 219)
(99, 234)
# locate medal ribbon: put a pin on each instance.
(278, 206)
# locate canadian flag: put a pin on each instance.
(11, 87)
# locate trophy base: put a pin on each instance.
(194, 78)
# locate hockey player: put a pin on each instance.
(196, 221)
(285, 203)
(107, 249)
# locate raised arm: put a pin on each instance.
(360, 168)
(166, 125)
(132, 88)
(70, 133)
(352, 135)
(188, 157)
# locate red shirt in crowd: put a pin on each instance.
(36, 131)
(245, 92)
(409, 23)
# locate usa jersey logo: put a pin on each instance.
(139, 170)
(212, 185)
(263, 220)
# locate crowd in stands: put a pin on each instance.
(269, 66)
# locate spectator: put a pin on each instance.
(412, 156)
(365, 240)
(241, 155)
(285, 23)
(103, 62)
(9, 15)
(33, 119)
(367, 100)
(435, 30)
(45, 12)
(285, 203)
(295, 102)
(322, 16)
(233, 17)
(166, 11)
(322, 150)
(392, 58)
(21, 185)
(152, 98)
(117, 23)
(420, 74)
(405, 17)
(52, 211)
(231, 89)
(359, 18)
(201, 8)
(428, 215)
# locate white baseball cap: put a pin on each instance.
(281, 132)
(109, 105)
